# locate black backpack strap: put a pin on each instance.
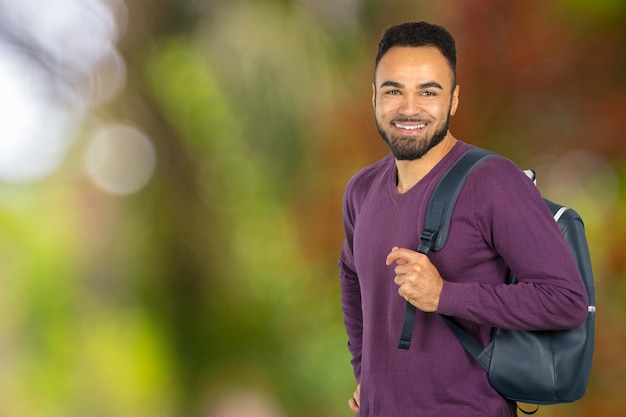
(573, 229)
(437, 220)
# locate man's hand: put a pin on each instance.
(355, 401)
(418, 280)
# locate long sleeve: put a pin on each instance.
(517, 224)
(350, 289)
(352, 315)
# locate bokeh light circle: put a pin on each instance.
(120, 159)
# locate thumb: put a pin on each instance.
(395, 257)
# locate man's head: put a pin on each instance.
(414, 90)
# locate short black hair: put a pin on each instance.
(419, 34)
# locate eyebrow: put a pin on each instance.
(391, 84)
(429, 84)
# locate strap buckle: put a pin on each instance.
(427, 239)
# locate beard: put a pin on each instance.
(410, 148)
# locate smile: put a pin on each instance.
(410, 127)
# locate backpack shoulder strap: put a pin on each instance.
(437, 220)
(444, 196)
(573, 229)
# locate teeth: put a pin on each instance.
(420, 126)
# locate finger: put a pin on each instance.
(353, 405)
(402, 270)
(401, 261)
(400, 255)
(397, 280)
(355, 401)
(388, 261)
(402, 292)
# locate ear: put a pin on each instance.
(455, 100)
(374, 95)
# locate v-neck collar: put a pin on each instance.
(419, 187)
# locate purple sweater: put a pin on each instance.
(499, 220)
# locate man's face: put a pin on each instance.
(413, 99)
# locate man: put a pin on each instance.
(500, 225)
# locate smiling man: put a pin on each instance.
(500, 226)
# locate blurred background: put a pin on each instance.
(171, 175)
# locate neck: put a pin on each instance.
(411, 172)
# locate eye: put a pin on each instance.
(393, 92)
(428, 93)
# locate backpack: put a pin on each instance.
(534, 367)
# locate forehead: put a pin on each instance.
(409, 64)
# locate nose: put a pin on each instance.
(410, 105)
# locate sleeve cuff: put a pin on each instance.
(452, 299)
